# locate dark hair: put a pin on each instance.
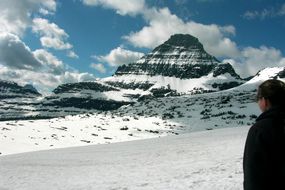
(272, 90)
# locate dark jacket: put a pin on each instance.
(264, 154)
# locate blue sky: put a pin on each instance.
(49, 42)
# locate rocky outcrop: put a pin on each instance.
(77, 87)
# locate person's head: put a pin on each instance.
(271, 93)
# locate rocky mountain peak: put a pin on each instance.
(181, 40)
(181, 56)
(31, 88)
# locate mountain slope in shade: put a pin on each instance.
(9, 89)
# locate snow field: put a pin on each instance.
(208, 160)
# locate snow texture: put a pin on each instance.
(209, 160)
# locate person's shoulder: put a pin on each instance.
(264, 126)
(261, 127)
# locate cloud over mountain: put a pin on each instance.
(162, 23)
(119, 56)
(253, 60)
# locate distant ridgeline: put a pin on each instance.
(179, 66)
(10, 89)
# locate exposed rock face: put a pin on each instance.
(85, 95)
(281, 74)
(225, 68)
(77, 87)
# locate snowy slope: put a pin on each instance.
(182, 86)
(263, 75)
(145, 119)
(210, 160)
(80, 130)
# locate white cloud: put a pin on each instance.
(45, 28)
(180, 2)
(127, 7)
(119, 56)
(44, 82)
(281, 12)
(56, 43)
(72, 54)
(250, 15)
(75, 76)
(253, 60)
(40, 68)
(52, 35)
(163, 24)
(50, 63)
(15, 15)
(15, 54)
(265, 13)
(18, 62)
(99, 67)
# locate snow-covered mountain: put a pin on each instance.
(265, 74)
(182, 56)
(179, 67)
(180, 64)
